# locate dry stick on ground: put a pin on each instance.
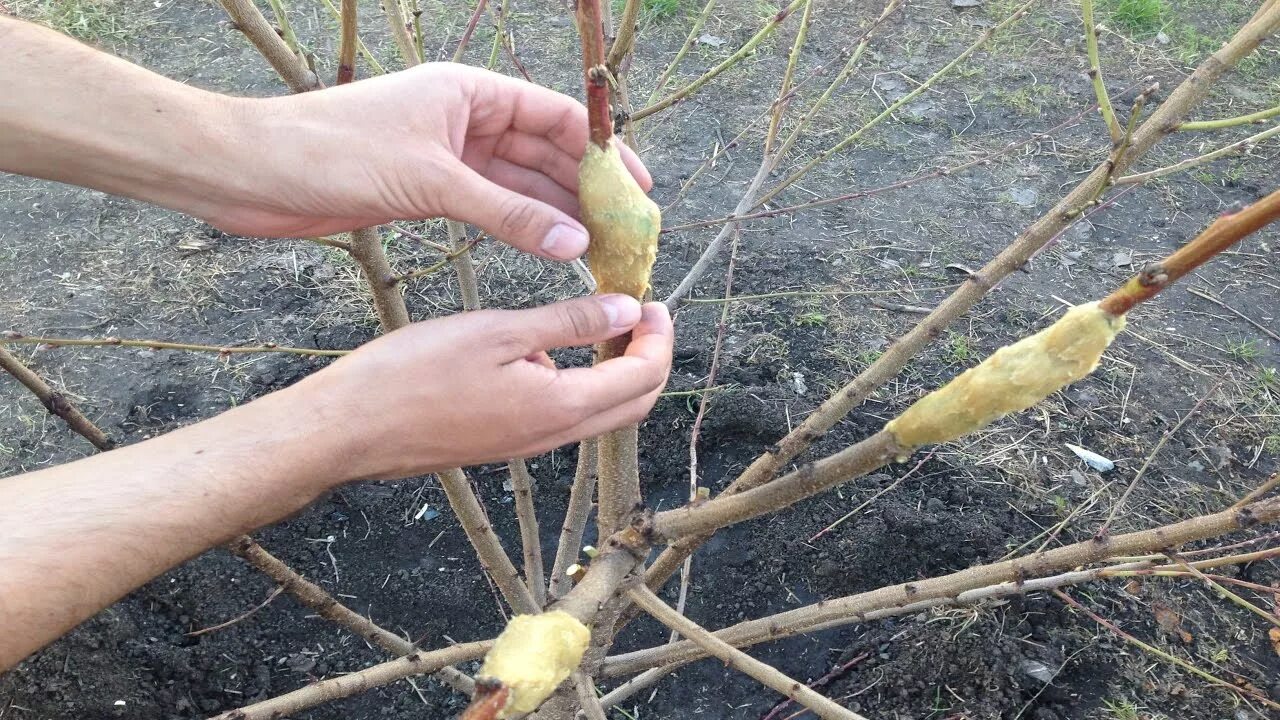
(1257, 117)
(766, 674)
(1185, 97)
(575, 518)
(747, 48)
(55, 401)
(250, 21)
(1218, 301)
(1235, 147)
(1213, 679)
(415, 663)
(1151, 456)
(1095, 73)
(857, 608)
(12, 338)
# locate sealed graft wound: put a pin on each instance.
(532, 656)
(622, 221)
(1014, 378)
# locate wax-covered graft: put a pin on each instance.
(533, 655)
(622, 221)
(1014, 378)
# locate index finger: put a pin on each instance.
(500, 103)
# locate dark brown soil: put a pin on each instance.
(77, 263)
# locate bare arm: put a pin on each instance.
(75, 538)
(440, 140)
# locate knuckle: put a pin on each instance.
(579, 321)
(517, 215)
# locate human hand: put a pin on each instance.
(438, 140)
(479, 387)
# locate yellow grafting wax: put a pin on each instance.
(622, 221)
(533, 655)
(1014, 378)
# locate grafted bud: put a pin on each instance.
(532, 656)
(1014, 378)
(622, 221)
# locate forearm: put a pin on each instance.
(77, 537)
(76, 115)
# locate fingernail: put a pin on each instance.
(622, 310)
(564, 242)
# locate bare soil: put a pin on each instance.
(79, 263)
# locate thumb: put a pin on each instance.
(517, 220)
(581, 321)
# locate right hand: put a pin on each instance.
(479, 387)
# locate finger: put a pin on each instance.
(629, 413)
(532, 183)
(640, 372)
(518, 220)
(537, 153)
(572, 323)
(501, 102)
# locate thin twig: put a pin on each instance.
(1224, 232)
(747, 48)
(1235, 147)
(1213, 679)
(947, 588)
(1259, 491)
(689, 40)
(1095, 73)
(249, 20)
(575, 518)
(625, 38)
(1181, 101)
(12, 338)
(896, 105)
(336, 688)
(766, 674)
(54, 401)
(530, 539)
(493, 558)
(1124, 497)
(222, 625)
(1224, 123)
(470, 30)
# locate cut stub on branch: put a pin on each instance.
(529, 660)
(1014, 378)
(621, 219)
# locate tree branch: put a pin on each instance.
(766, 674)
(859, 607)
(54, 401)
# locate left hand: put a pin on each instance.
(438, 140)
